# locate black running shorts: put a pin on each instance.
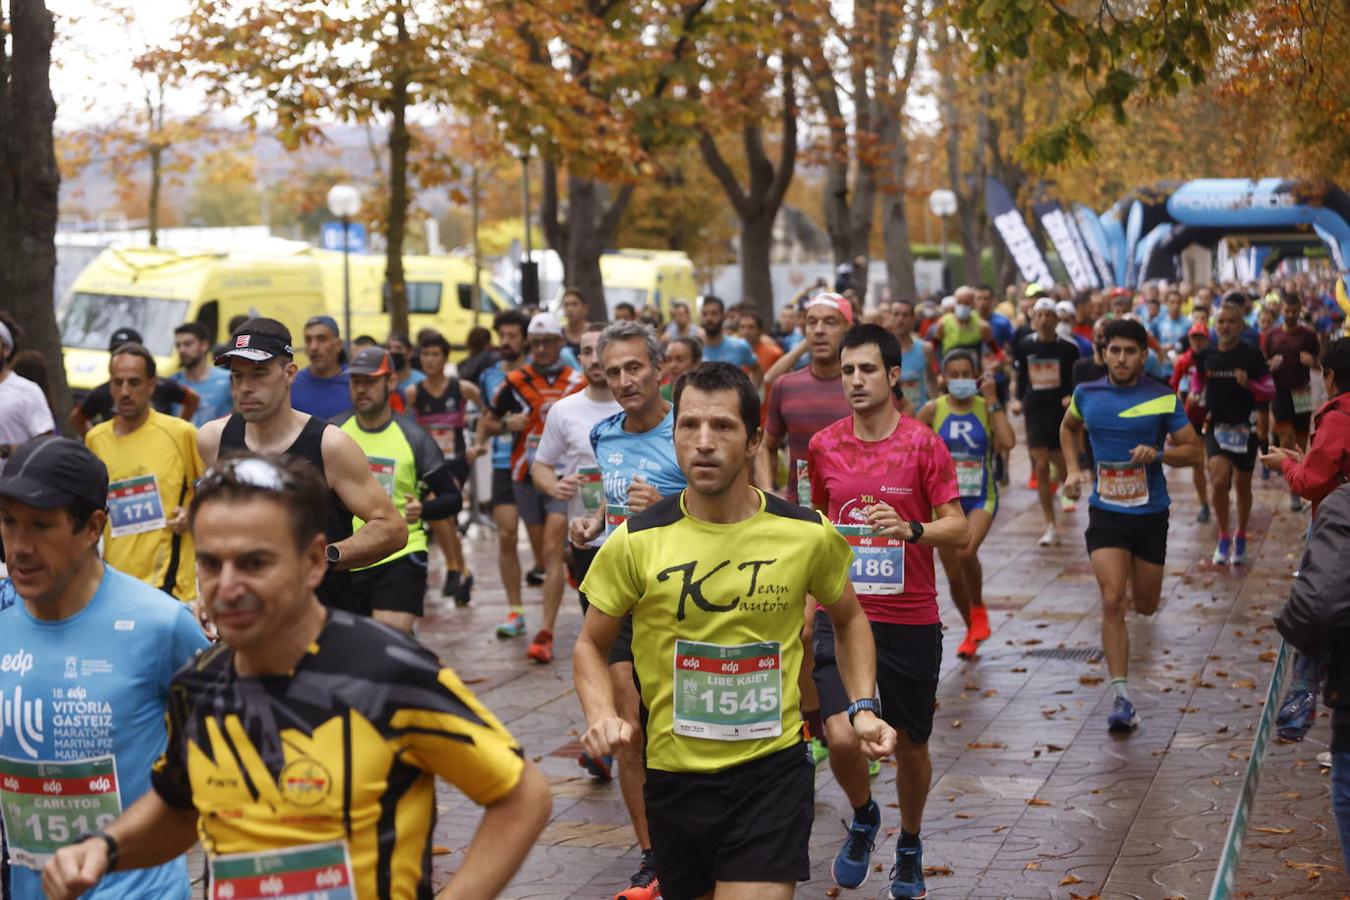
(396, 586)
(1144, 536)
(726, 826)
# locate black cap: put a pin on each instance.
(124, 336)
(370, 361)
(47, 472)
(255, 347)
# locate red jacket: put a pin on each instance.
(1326, 465)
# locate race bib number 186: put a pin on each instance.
(878, 562)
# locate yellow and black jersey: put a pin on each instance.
(345, 748)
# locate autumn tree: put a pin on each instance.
(29, 181)
(307, 63)
(589, 85)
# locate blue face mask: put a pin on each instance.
(962, 388)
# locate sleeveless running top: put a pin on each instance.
(961, 335)
(969, 438)
(442, 417)
(913, 378)
(336, 588)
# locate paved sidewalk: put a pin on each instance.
(1031, 796)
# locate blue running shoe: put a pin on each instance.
(1220, 557)
(907, 874)
(1296, 714)
(1239, 550)
(1122, 717)
(853, 862)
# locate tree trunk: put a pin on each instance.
(156, 178)
(29, 181)
(756, 272)
(895, 227)
(399, 142)
(581, 253)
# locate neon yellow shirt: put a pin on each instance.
(717, 618)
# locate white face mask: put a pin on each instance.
(962, 311)
(1064, 330)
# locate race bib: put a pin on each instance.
(134, 506)
(1043, 374)
(532, 446)
(1122, 483)
(592, 488)
(1232, 438)
(969, 475)
(911, 391)
(311, 872)
(803, 484)
(615, 516)
(46, 805)
(728, 693)
(444, 429)
(878, 562)
(383, 468)
(1303, 400)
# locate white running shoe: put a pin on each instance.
(1049, 538)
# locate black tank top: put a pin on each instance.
(442, 417)
(336, 588)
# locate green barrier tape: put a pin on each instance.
(1222, 889)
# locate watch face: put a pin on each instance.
(333, 553)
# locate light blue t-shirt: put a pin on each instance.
(414, 377)
(624, 455)
(490, 382)
(732, 350)
(214, 392)
(93, 685)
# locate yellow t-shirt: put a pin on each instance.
(150, 473)
(717, 619)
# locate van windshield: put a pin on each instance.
(89, 320)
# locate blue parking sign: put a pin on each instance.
(330, 237)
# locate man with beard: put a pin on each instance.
(720, 347)
(1127, 417)
(262, 371)
(211, 384)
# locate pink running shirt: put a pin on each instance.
(912, 471)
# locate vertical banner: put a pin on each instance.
(998, 205)
(1094, 238)
(1071, 252)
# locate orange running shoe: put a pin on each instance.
(541, 649)
(643, 885)
(967, 648)
(979, 624)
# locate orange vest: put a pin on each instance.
(537, 395)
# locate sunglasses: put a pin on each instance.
(246, 471)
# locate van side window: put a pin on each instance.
(423, 296)
(209, 315)
(465, 293)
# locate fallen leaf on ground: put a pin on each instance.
(1248, 683)
(984, 745)
(1221, 673)
(956, 723)
(1267, 656)
(1090, 679)
(832, 892)
(1037, 801)
(990, 693)
(965, 816)
(1070, 879)
(1018, 669)
(472, 680)
(1271, 829)
(441, 850)
(1032, 866)
(1031, 642)
(999, 828)
(937, 870)
(1053, 748)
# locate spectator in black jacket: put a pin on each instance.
(1316, 621)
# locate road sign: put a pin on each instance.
(330, 237)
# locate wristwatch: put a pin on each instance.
(994, 407)
(915, 532)
(108, 840)
(871, 704)
(333, 553)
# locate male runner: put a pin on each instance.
(890, 483)
(510, 326)
(1236, 377)
(527, 395)
(635, 450)
(88, 653)
(1291, 351)
(574, 318)
(720, 343)
(97, 406)
(1043, 366)
(564, 466)
(439, 402)
(259, 357)
(152, 462)
(192, 340)
(716, 579)
(406, 462)
(306, 745)
(1127, 417)
(918, 367)
(682, 354)
(320, 389)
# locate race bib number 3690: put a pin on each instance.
(298, 873)
(878, 562)
(47, 805)
(728, 693)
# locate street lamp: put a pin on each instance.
(344, 201)
(942, 203)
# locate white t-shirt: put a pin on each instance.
(23, 412)
(566, 442)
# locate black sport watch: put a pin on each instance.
(915, 532)
(333, 553)
(871, 704)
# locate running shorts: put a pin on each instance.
(503, 489)
(1043, 431)
(535, 505)
(578, 564)
(1144, 536)
(399, 585)
(724, 826)
(1243, 462)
